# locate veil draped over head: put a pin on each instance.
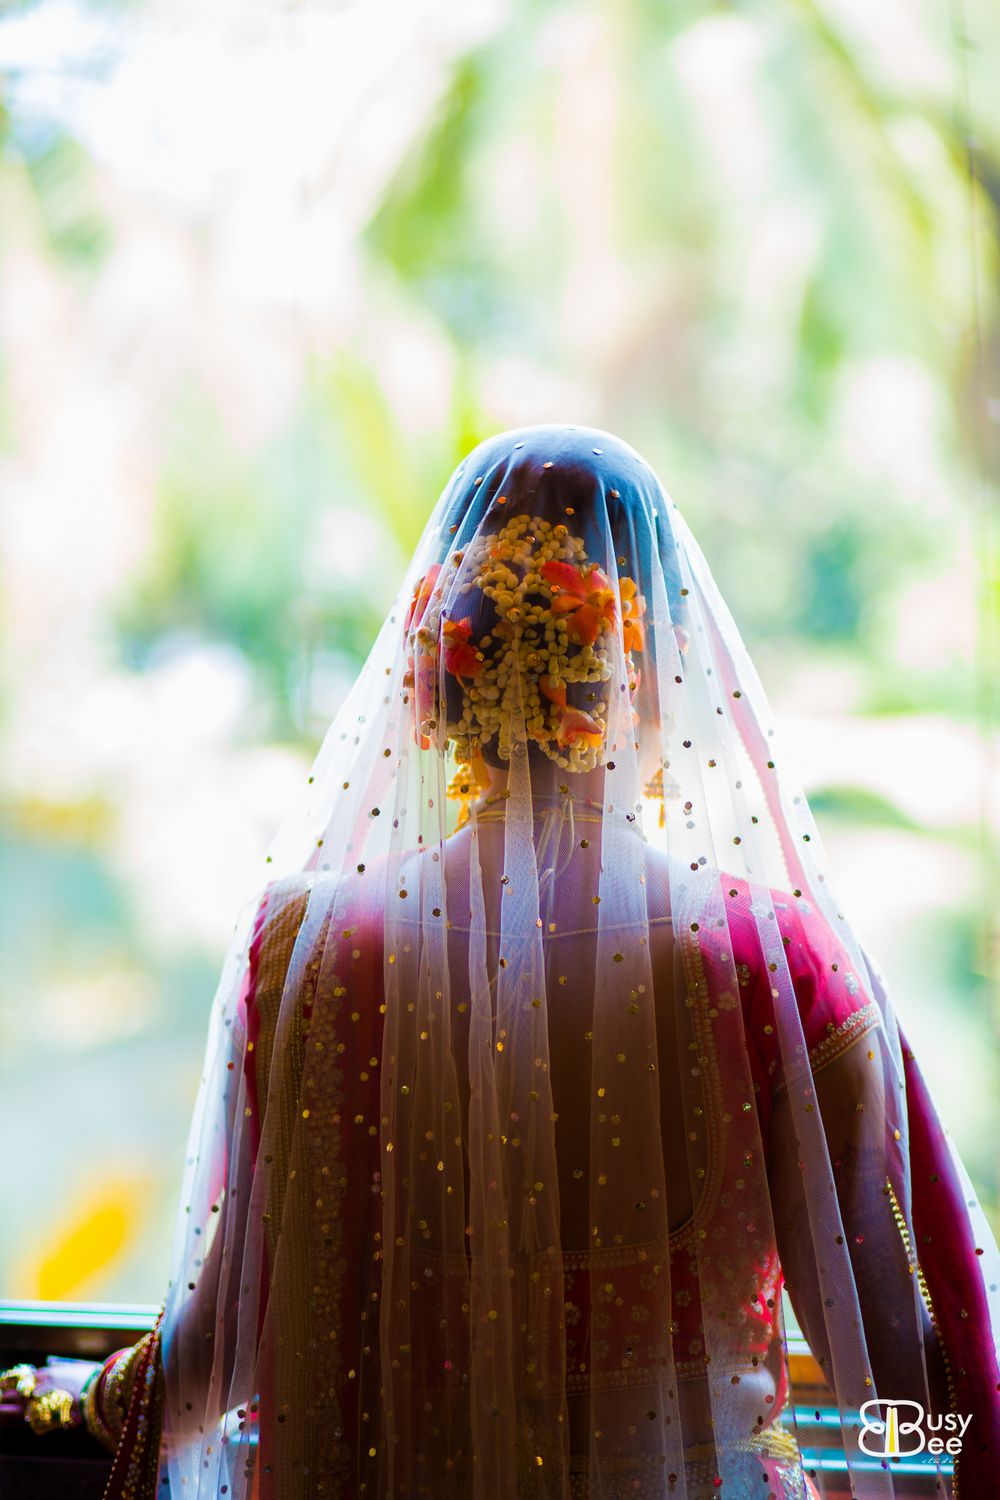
(544, 1055)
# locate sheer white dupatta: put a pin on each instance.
(484, 1191)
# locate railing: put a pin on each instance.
(71, 1466)
(79, 1330)
(820, 1435)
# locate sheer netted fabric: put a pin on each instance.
(543, 1056)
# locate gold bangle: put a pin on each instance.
(50, 1411)
(19, 1378)
(91, 1414)
(118, 1387)
(94, 1403)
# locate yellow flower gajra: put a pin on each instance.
(547, 625)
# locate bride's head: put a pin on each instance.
(529, 626)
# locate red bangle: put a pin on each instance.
(99, 1401)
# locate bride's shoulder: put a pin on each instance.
(830, 984)
(286, 903)
(314, 922)
(719, 905)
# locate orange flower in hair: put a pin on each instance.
(420, 681)
(423, 589)
(461, 658)
(575, 726)
(585, 596)
(633, 609)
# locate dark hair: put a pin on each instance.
(588, 479)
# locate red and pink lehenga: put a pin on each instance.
(545, 1060)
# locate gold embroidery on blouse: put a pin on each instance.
(326, 1171)
(615, 1256)
(282, 920)
(714, 1105)
(694, 971)
(844, 1036)
(295, 998)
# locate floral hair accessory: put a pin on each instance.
(584, 596)
(422, 592)
(633, 609)
(545, 628)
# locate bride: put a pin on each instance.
(543, 1059)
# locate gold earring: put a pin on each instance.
(468, 784)
(653, 791)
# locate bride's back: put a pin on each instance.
(568, 845)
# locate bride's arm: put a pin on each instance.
(203, 1348)
(896, 1322)
(204, 1323)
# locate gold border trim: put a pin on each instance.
(697, 990)
(904, 1234)
(838, 1041)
